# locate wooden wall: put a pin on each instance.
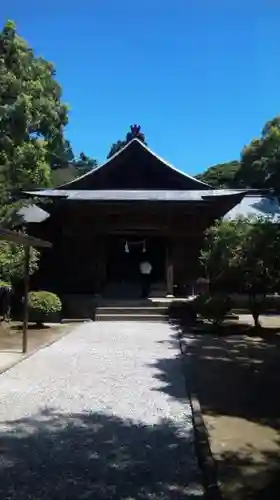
(79, 231)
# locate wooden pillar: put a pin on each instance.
(25, 299)
(100, 265)
(103, 265)
(169, 272)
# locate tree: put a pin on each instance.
(259, 165)
(32, 117)
(135, 132)
(61, 154)
(222, 175)
(79, 166)
(115, 148)
(12, 261)
(84, 164)
(32, 120)
(260, 160)
(244, 254)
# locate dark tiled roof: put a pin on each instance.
(131, 154)
(256, 206)
(22, 239)
(32, 213)
(136, 195)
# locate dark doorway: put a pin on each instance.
(125, 253)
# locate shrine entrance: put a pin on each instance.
(125, 253)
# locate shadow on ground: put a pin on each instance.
(260, 481)
(56, 456)
(169, 370)
(236, 374)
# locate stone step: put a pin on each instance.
(75, 320)
(125, 309)
(131, 317)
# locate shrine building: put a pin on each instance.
(136, 204)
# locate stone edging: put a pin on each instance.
(204, 454)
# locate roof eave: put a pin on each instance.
(23, 239)
(140, 195)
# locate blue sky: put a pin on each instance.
(200, 76)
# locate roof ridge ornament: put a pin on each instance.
(135, 130)
(135, 133)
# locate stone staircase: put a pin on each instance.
(131, 311)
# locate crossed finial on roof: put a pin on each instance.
(135, 130)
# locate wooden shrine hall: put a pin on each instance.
(103, 223)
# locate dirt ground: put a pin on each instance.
(236, 376)
(11, 340)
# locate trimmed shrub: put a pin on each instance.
(213, 307)
(43, 305)
(6, 285)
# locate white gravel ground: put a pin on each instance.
(100, 414)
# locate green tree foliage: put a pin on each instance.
(32, 116)
(84, 164)
(32, 120)
(79, 166)
(63, 175)
(116, 147)
(260, 160)
(135, 132)
(245, 255)
(214, 308)
(60, 154)
(259, 165)
(222, 175)
(12, 261)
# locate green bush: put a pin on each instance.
(42, 305)
(5, 284)
(213, 307)
(12, 261)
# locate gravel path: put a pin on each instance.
(100, 414)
